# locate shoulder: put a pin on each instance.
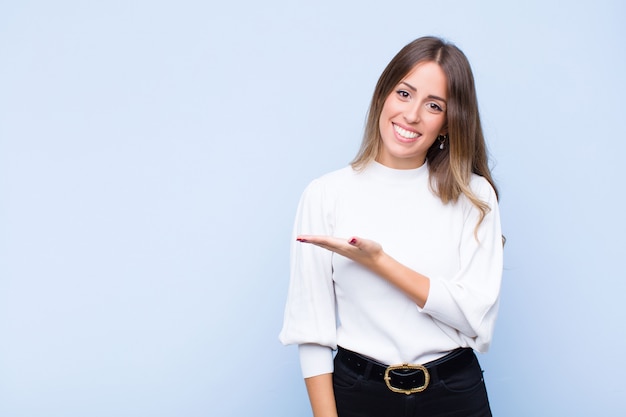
(323, 193)
(337, 177)
(332, 181)
(482, 189)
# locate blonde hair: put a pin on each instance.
(465, 152)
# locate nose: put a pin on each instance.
(412, 113)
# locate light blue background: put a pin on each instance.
(152, 154)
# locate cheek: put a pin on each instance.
(437, 122)
(388, 106)
(383, 119)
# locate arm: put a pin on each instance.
(466, 302)
(310, 317)
(412, 283)
(321, 395)
(371, 255)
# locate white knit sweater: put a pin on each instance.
(335, 301)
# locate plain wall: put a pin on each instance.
(152, 154)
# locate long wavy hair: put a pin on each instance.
(465, 151)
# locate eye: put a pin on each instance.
(434, 107)
(403, 94)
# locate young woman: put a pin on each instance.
(397, 259)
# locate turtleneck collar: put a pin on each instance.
(383, 172)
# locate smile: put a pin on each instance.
(405, 133)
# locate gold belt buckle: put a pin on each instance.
(406, 366)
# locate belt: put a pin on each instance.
(407, 378)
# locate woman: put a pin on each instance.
(397, 259)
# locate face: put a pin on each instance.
(413, 115)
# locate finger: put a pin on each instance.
(307, 238)
(317, 239)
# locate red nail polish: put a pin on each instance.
(301, 240)
(353, 241)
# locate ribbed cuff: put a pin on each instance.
(315, 360)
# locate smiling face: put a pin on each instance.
(413, 115)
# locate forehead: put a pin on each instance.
(427, 77)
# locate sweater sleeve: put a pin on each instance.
(310, 317)
(466, 304)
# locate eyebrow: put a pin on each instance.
(430, 96)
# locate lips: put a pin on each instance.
(405, 134)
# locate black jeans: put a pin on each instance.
(460, 395)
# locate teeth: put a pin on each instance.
(405, 133)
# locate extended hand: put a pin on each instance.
(364, 251)
(371, 255)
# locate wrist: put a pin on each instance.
(380, 262)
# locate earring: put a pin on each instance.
(442, 141)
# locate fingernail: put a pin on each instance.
(353, 241)
(301, 240)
